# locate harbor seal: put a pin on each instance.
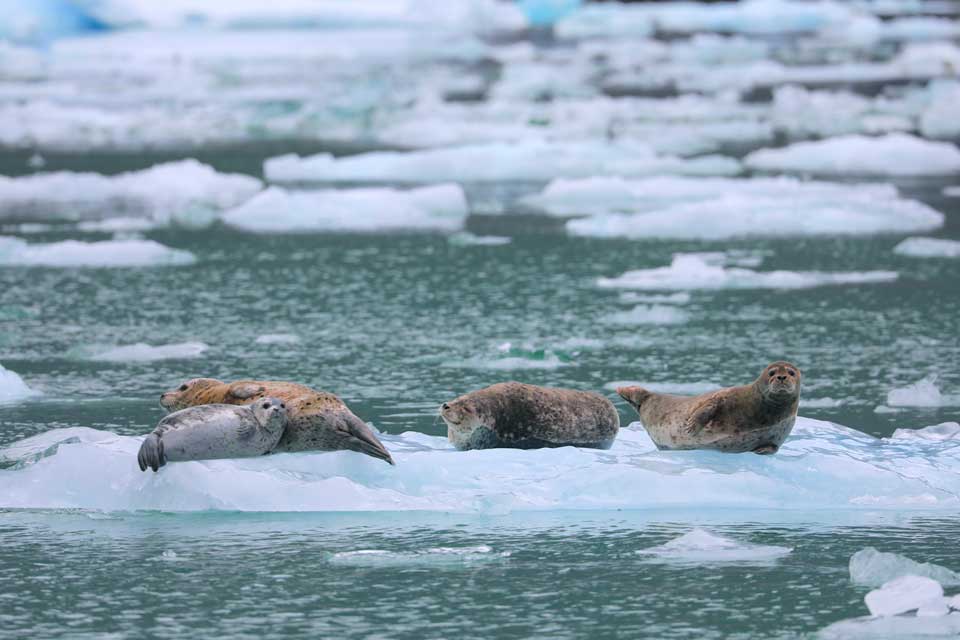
(523, 416)
(214, 431)
(318, 421)
(757, 417)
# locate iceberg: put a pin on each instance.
(703, 547)
(142, 352)
(187, 193)
(439, 207)
(874, 568)
(493, 162)
(721, 208)
(894, 154)
(693, 271)
(822, 466)
(14, 252)
(12, 387)
(923, 393)
(928, 248)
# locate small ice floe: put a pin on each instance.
(432, 557)
(720, 208)
(12, 387)
(277, 338)
(693, 271)
(903, 594)
(922, 393)
(186, 193)
(14, 252)
(511, 357)
(438, 207)
(820, 403)
(632, 297)
(118, 225)
(678, 388)
(702, 547)
(952, 192)
(142, 352)
(497, 162)
(648, 314)
(936, 432)
(466, 239)
(873, 568)
(928, 248)
(893, 154)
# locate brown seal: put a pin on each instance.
(523, 416)
(757, 417)
(318, 421)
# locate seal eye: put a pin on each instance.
(183, 387)
(772, 373)
(266, 405)
(791, 372)
(283, 406)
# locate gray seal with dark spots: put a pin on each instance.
(214, 431)
(756, 417)
(524, 416)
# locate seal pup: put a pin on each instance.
(318, 421)
(756, 417)
(524, 416)
(214, 431)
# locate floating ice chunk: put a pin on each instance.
(497, 162)
(906, 593)
(896, 154)
(142, 352)
(690, 271)
(702, 547)
(596, 20)
(928, 248)
(185, 192)
(117, 225)
(820, 403)
(440, 207)
(543, 12)
(649, 314)
(893, 627)
(678, 388)
(821, 467)
(12, 387)
(874, 568)
(108, 253)
(719, 208)
(951, 192)
(631, 297)
(277, 338)
(920, 28)
(512, 357)
(922, 393)
(942, 431)
(465, 239)
(433, 557)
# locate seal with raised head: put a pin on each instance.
(318, 421)
(214, 431)
(756, 417)
(524, 416)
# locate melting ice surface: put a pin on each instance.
(873, 568)
(822, 466)
(12, 387)
(702, 547)
(14, 252)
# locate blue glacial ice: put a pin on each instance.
(821, 467)
(40, 21)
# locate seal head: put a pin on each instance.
(779, 383)
(270, 414)
(187, 394)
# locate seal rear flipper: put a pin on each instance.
(151, 453)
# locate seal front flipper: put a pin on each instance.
(151, 453)
(701, 417)
(246, 390)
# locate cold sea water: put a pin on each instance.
(637, 197)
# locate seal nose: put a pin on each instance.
(781, 378)
(445, 406)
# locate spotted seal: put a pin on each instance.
(524, 416)
(318, 421)
(214, 431)
(756, 417)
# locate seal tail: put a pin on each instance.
(636, 396)
(151, 453)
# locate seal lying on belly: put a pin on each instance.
(318, 421)
(214, 431)
(523, 416)
(757, 417)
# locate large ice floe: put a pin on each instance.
(873, 568)
(719, 208)
(928, 248)
(821, 467)
(895, 154)
(438, 207)
(701, 547)
(186, 192)
(15, 252)
(12, 387)
(699, 271)
(531, 161)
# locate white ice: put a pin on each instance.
(433, 556)
(12, 387)
(648, 314)
(276, 210)
(184, 192)
(922, 393)
(142, 352)
(885, 628)
(703, 547)
(906, 593)
(692, 271)
(894, 154)
(873, 568)
(822, 466)
(720, 208)
(466, 239)
(677, 388)
(942, 431)
(498, 162)
(928, 248)
(277, 338)
(14, 252)
(951, 192)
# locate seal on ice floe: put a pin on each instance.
(523, 416)
(756, 417)
(318, 421)
(214, 431)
